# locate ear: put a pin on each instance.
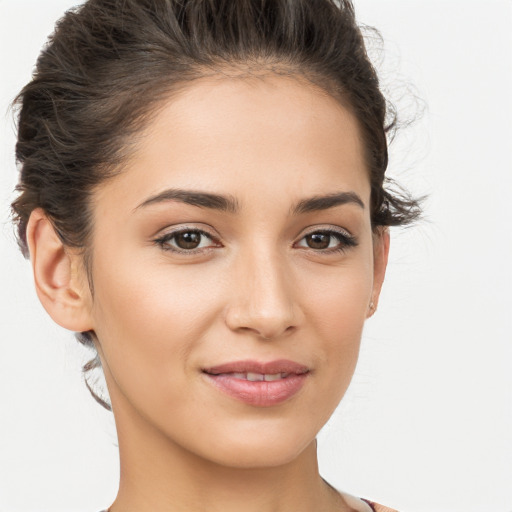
(58, 275)
(381, 242)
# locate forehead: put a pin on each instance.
(242, 136)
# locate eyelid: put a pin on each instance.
(326, 228)
(168, 234)
(347, 240)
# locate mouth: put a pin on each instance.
(258, 384)
(250, 368)
(256, 377)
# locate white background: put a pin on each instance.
(427, 423)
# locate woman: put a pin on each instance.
(202, 200)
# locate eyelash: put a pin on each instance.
(164, 240)
(346, 241)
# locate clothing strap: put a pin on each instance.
(378, 508)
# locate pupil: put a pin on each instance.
(318, 240)
(188, 240)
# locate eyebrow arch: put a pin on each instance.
(199, 199)
(318, 203)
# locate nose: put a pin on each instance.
(264, 300)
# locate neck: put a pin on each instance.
(159, 476)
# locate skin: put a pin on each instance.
(254, 289)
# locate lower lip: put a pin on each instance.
(259, 393)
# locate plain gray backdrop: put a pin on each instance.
(426, 425)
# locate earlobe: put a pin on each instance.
(57, 278)
(381, 243)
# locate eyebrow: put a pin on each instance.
(319, 203)
(230, 204)
(200, 199)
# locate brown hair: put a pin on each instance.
(110, 63)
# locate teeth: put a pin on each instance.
(253, 377)
(259, 377)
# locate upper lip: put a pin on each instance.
(268, 368)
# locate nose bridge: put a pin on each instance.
(263, 300)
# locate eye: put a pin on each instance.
(327, 241)
(186, 240)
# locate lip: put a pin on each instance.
(258, 393)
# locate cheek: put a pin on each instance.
(149, 323)
(337, 300)
(149, 320)
(337, 307)
(143, 290)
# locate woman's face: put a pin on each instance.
(235, 246)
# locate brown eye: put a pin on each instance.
(188, 239)
(327, 241)
(318, 240)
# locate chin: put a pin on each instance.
(263, 448)
(257, 457)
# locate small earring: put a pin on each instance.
(371, 307)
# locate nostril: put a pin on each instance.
(267, 335)
(265, 321)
